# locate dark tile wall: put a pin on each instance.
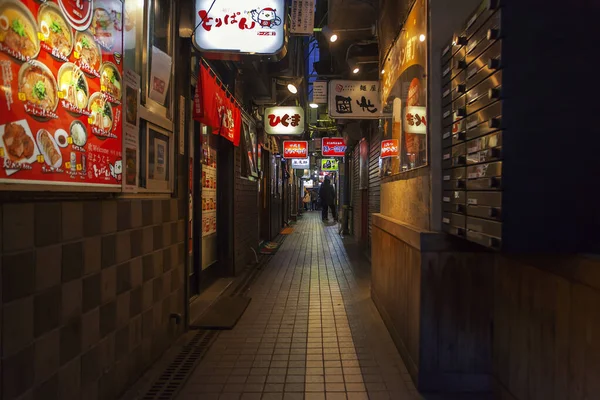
(246, 216)
(86, 295)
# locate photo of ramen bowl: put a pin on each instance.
(102, 112)
(38, 85)
(89, 51)
(110, 80)
(73, 85)
(55, 30)
(18, 30)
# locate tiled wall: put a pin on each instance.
(87, 292)
(245, 216)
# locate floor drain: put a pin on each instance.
(176, 374)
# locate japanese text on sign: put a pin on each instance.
(295, 149)
(284, 120)
(333, 147)
(354, 99)
(390, 148)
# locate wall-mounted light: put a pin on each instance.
(356, 70)
(329, 34)
(421, 38)
(382, 71)
(313, 105)
(292, 88)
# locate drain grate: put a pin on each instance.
(176, 374)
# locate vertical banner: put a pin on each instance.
(320, 92)
(303, 17)
(131, 131)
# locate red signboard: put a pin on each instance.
(390, 148)
(295, 149)
(333, 147)
(60, 98)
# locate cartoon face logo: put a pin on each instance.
(266, 18)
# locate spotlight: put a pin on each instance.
(356, 70)
(292, 88)
(313, 105)
(332, 37)
(382, 71)
(421, 38)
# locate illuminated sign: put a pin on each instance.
(295, 149)
(354, 100)
(300, 163)
(415, 120)
(390, 148)
(240, 27)
(284, 120)
(329, 164)
(333, 147)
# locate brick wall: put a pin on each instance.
(245, 216)
(87, 291)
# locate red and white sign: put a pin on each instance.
(78, 12)
(295, 149)
(333, 147)
(240, 26)
(212, 107)
(390, 148)
(415, 120)
(284, 120)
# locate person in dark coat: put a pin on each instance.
(327, 194)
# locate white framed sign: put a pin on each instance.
(415, 120)
(320, 92)
(300, 163)
(240, 26)
(284, 120)
(354, 99)
(302, 17)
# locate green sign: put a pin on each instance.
(329, 164)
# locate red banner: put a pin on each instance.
(61, 91)
(390, 148)
(212, 107)
(295, 149)
(333, 147)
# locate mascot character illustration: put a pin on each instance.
(266, 18)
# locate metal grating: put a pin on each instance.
(176, 374)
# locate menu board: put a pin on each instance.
(60, 106)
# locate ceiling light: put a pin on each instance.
(292, 88)
(313, 105)
(421, 37)
(332, 37)
(382, 71)
(356, 70)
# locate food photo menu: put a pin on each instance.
(61, 83)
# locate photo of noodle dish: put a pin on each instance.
(110, 82)
(17, 146)
(88, 54)
(18, 31)
(102, 27)
(73, 88)
(38, 89)
(55, 31)
(101, 119)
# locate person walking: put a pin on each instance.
(306, 199)
(313, 199)
(327, 194)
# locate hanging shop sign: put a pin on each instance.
(213, 107)
(333, 147)
(320, 92)
(61, 91)
(389, 148)
(302, 17)
(329, 164)
(240, 27)
(284, 120)
(354, 99)
(295, 149)
(408, 49)
(301, 163)
(415, 120)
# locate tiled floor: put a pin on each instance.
(310, 332)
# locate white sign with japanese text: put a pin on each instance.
(354, 99)
(415, 120)
(284, 120)
(300, 163)
(240, 26)
(320, 92)
(303, 17)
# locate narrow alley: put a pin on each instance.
(310, 332)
